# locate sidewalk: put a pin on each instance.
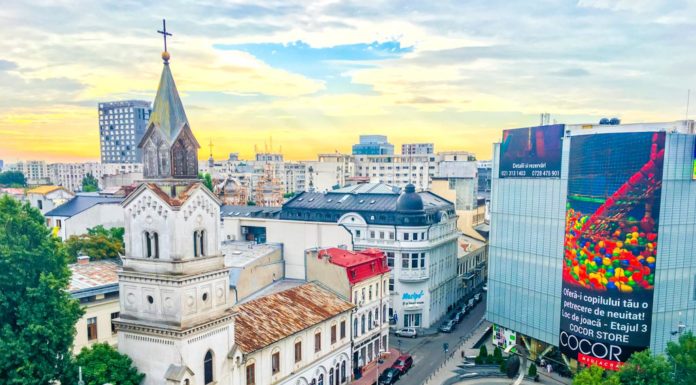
(447, 369)
(370, 374)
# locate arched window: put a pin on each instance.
(195, 243)
(362, 324)
(148, 244)
(201, 241)
(208, 368)
(343, 372)
(331, 376)
(355, 327)
(321, 380)
(155, 239)
(377, 316)
(369, 320)
(384, 313)
(151, 244)
(198, 242)
(336, 374)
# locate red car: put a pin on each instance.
(403, 363)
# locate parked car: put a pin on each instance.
(471, 303)
(389, 376)
(403, 364)
(485, 287)
(466, 309)
(448, 327)
(457, 317)
(407, 332)
(478, 297)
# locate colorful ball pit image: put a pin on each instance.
(611, 219)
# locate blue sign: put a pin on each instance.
(412, 296)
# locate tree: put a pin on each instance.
(102, 364)
(37, 314)
(206, 179)
(12, 179)
(98, 243)
(682, 357)
(594, 375)
(483, 354)
(644, 368)
(90, 183)
(532, 372)
(497, 354)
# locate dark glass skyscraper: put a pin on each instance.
(121, 126)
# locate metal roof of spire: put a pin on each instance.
(168, 113)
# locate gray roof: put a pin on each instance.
(249, 211)
(81, 203)
(369, 188)
(381, 201)
(167, 111)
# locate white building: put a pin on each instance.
(46, 198)
(417, 231)
(85, 212)
(299, 335)
(70, 175)
(35, 171)
(363, 279)
(417, 148)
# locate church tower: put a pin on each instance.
(176, 320)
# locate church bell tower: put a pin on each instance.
(176, 320)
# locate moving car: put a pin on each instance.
(403, 364)
(407, 332)
(448, 327)
(389, 376)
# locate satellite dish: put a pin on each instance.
(604, 121)
(615, 121)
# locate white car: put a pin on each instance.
(485, 287)
(407, 332)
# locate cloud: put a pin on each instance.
(572, 72)
(6, 65)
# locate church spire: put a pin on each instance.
(169, 148)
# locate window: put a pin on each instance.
(381, 235)
(343, 372)
(91, 329)
(198, 243)
(362, 324)
(113, 326)
(415, 236)
(390, 259)
(357, 233)
(40, 203)
(372, 234)
(370, 293)
(391, 235)
(404, 261)
(317, 342)
(343, 329)
(333, 334)
(422, 260)
(355, 327)
(355, 297)
(331, 376)
(275, 363)
(412, 320)
(298, 351)
(414, 260)
(376, 316)
(151, 244)
(405, 236)
(363, 295)
(208, 368)
(384, 313)
(377, 289)
(391, 284)
(59, 223)
(369, 320)
(250, 375)
(321, 380)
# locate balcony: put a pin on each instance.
(413, 275)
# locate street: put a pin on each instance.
(427, 351)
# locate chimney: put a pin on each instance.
(83, 259)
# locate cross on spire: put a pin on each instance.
(164, 35)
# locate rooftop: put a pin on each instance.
(93, 274)
(240, 254)
(263, 321)
(79, 204)
(43, 190)
(250, 211)
(359, 265)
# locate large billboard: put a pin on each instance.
(610, 248)
(532, 152)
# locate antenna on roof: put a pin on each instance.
(688, 95)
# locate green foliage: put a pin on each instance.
(594, 375)
(90, 183)
(251, 203)
(478, 360)
(102, 364)
(483, 352)
(503, 366)
(682, 357)
(37, 314)
(12, 179)
(497, 354)
(98, 243)
(288, 195)
(206, 179)
(644, 368)
(532, 372)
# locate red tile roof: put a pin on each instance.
(359, 265)
(266, 320)
(93, 274)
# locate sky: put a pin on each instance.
(311, 76)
